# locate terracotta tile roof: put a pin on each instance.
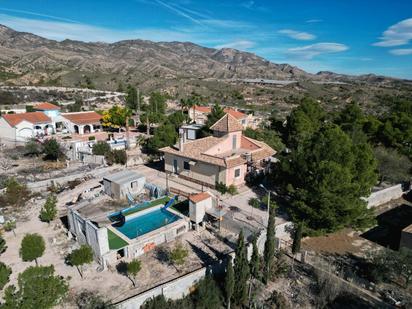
(196, 198)
(83, 117)
(227, 123)
(206, 109)
(202, 109)
(197, 150)
(238, 115)
(32, 117)
(45, 106)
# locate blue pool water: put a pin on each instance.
(146, 223)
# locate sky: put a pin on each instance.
(344, 36)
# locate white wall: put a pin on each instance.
(384, 196)
(6, 131)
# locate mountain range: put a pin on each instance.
(26, 59)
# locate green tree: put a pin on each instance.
(216, 113)
(5, 272)
(303, 122)
(178, 254)
(49, 210)
(270, 245)
(268, 136)
(133, 268)
(207, 294)
(116, 117)
(229, 281)
(156, 302)
(3, 246)
(131, 98)
(254, 264)
(101, 148)
(297, 237)
(32, 247)
(38, 287)
(326, 178)
(164, 135)
(80, 257)
(393, 166)
(177, 119)
(241, 268)
(52, 149)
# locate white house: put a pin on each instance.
(82, 122)
(21, 127)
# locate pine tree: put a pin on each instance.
(297, 238)
(229, 281)
(269, 251)
(241, 268)
(255, 261)
(49, 210)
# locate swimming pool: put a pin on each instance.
(146, 223)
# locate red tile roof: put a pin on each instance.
(227, 123)
(196, 198)
(45, 106)
(83, 117)
(206, 109)
(32, 117)
(202, 109)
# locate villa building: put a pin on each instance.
(198, 114)
(24, 126)
(82, 122)
(226, 157)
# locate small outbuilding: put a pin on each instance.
(118, 185)
(406, 238)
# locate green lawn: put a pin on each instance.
(115, 242)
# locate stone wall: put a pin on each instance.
(386, 195)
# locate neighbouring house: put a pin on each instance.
(82, 122)
(24, 126)
(406, 238)
(118, 185)
(198, 114)
(226, 157)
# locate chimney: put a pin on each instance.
(182, 139)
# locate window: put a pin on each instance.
(243, 121)
(237, 173)
(186, 165)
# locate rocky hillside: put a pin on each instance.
(181, 69)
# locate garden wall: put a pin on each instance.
(386, 195)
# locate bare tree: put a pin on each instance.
(5, 164)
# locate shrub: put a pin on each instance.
(178, 254)
(5, 272)
(101, 148)
(16, 194)
(232, 190)
(221, 187)
(92, 138)
(52, 150)
(116, 157)
(91, 300)
(3, 246)
(49, 210)
(254, 202)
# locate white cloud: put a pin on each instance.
(311, 51)
(401, 51)
(297, 35)
(57, 30)
(240, 44)
(397, 35)
(312, 21)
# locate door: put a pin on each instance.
(175, 166)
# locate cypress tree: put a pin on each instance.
(229, 281)
(255, 261)
(269, 251)
(241, 268)
(297, 238)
